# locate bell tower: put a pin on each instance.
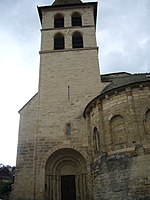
(54, 155)
(69, 69)
(69, 79)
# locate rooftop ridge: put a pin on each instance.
(66, 2)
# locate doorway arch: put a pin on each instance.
(66, 176)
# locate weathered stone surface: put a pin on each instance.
(78, 126)
(123, 171)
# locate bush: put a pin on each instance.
(5, 188)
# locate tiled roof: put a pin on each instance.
(66, 2)
(117, 82)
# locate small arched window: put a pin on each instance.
(147, 122)
(76, 19)
(96, 140)
(117, 126)
(77, 40)
(59, 41)
(58, 21)
(148, 115)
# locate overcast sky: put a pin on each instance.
(123, 36)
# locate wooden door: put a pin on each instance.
(68, 187)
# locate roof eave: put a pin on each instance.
(27, 103)
(40, 13)
(111, 91)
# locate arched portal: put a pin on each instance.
(66, 176)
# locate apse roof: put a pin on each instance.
(66, 2)
(129, 79)
(117, 82)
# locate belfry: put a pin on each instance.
(76, 134)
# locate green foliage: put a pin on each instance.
(6, 179)
(5, 188)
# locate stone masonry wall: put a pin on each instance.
(25, 175)
(121, 164)
(121, 177)
(68, 80)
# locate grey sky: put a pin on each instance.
(123, 35)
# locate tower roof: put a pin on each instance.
(66, 2)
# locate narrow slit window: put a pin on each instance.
(59, 41)
(147, 122)
(68, 128)
(96, 140)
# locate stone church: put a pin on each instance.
(83, 136)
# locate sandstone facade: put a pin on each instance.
(119, 119)
(82, 136)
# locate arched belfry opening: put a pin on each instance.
(66, 176)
